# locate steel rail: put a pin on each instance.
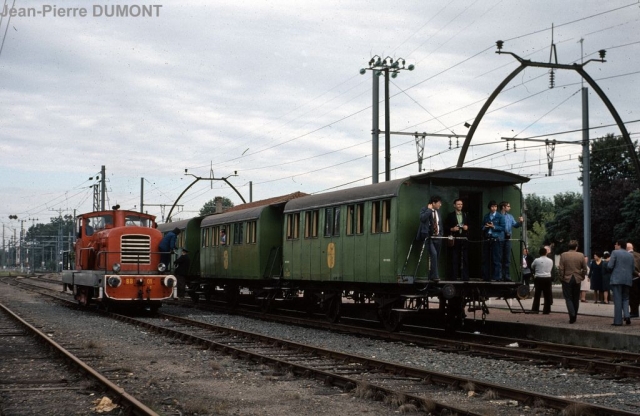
(405, 371)
(136, 406)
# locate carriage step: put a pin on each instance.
(405, 310)
(413, 296)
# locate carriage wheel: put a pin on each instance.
(310, 302)
(455, 313)
(389, 318)
(267, 302)
(333, 308)
(232, 295)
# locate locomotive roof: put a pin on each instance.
(455, 176)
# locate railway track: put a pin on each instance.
(37, 375)
(602, 362)
(374, 378)
(428, 390)
(615, 364)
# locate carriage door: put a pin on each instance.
(472, 204)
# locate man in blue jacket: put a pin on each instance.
(493, 232)
(622, 267)
(509, 224)
(167, 245)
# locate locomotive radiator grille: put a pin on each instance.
(136, 249)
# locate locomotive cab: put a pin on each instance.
(117, 260)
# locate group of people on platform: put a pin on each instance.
(617, 272)
(497, 228)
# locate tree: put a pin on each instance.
(536, 208)
(607, 205)
(537, 235)
(210, 207)
(613, 178)
(629, 226)
(568, 222)
(610, 161)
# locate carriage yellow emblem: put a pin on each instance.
(331, 255)
(225, 261)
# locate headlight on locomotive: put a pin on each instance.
(162, 267)
(170, 281)
(114, 281)
(116, 267)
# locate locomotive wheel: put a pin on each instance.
(82, 296)
(195, 297)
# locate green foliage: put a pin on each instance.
(568, 222)
(629, 226)
(610, 161)
(537, 235)
(41, 243)
(607, 205)
(210, 207)
(537, 207)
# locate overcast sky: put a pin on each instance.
(272, 90)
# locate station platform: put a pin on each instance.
(592, 328)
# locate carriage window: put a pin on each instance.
(332, 221)
(381, 216)
(311, 224)
(293, 226)
(238, 232)
(205, 237)
(355, 219)
(252, 227)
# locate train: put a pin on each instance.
(350, 251)
(117, 262)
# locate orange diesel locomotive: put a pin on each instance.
(117, 261)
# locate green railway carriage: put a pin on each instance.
(251, 248)
(364, 234)
(188, 238)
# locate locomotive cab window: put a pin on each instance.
(293, 226)
(381, 216)
(355, 219)
(311, 224)
(332, 221)
(136, 221)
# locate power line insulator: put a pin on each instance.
(552, 79)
